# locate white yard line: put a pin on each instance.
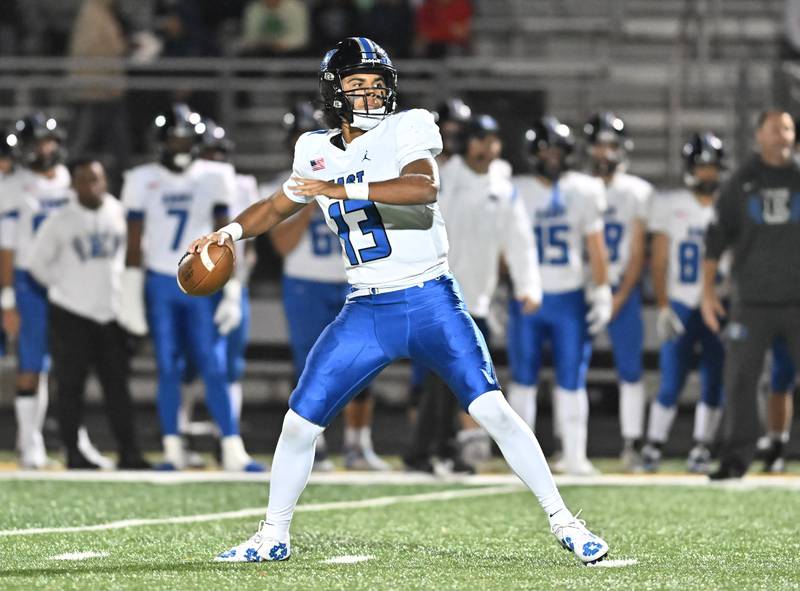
(259, 511)
(347, 559)
(787, 481)
(611, 563)
(79, 555)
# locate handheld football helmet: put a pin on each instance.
(29, 133)
(177, 133)
(703, 149)
(606, 128)
(214, 143)
(545, 133)
(452, 117)
(351, 56)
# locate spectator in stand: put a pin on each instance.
(332, 21)
(101, 118)
(47, 25)
(392, 23)
(179, 23)
(443, 27)
(274, 28)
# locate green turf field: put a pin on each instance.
(681, 537)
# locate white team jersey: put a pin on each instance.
(684, 220)
(628, 200)
(484, 217)
(246, 195)
(79, 254)
(384, 246)
(562, 215)
(26, 199)
(318, 254)
(176, 206)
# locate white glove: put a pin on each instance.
(599, 299)
(131, 312)
(229, 310)
(668, 325)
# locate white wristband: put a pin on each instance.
(234, 230)
(8, 299)
(357, 190)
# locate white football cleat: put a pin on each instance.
(699, 460)
(573, 536)
(357, 458)
(236, 459)
(259, 548)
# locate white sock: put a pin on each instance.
(365, 438)
(706, 422)
(574, 418)
(174, 452)
(25, 408)
(523, 400)
(556, 415)
(519, 447)
(351, 437)
(660, 423)
(42, 400)
(632, 404)
(236, 395)
(291, 468)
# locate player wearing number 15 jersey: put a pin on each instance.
(566, 210)
(625, 218)
(375, 178)
(679, 221)
(165, 202)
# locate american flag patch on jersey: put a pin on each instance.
(318, 164)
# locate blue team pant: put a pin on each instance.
(32, 350)
(310, 306)
(626, 333)
(179, 320)
(676, 359)
(783, 372)
(427, 324)
(561, 321)
(237, 341)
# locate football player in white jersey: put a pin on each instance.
(375, 178)
(165, 202)
(625, 220)
(566, 209)
(39, 186)
(679, 221)
(314, 289)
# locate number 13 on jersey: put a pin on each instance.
(363, 215)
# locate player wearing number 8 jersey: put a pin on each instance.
(376, 180)
(625, 219)
(679, 221)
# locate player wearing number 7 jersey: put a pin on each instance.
(679, 221)
(375, 178)
(166, 201)
(625, 220)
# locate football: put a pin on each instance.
(204, 273)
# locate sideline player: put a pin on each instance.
(679, 221)
(165, 201)
(566, 209)
(404, 301)
(625, 218)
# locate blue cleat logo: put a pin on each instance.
(569, 543)
(591, 548)
(228, 553)
(251, 555)
(278, 551)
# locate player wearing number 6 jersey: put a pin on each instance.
(167, 201)
(566, 209)
(376, 181)
(679, 221)
(628, 199)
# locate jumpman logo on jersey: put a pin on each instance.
(366, 157)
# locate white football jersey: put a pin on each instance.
(384, 246)
(246, 195)
(562, 214)
(26, 199)
(177, 207)
(485, 217)
(79, 254)
(684, 220)
(318, 254)
(628, 199)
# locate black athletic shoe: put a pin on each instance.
(728, 470)
(134, 463)
(77, 461)
(773, 458)
(418, 465)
